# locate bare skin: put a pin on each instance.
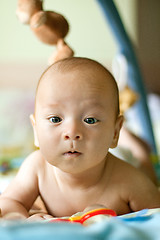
(75, 123)
(141, 150)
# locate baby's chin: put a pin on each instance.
(72, 167)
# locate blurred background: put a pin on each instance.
(23, 58)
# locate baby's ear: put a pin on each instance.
(32, 119)
(118, 125)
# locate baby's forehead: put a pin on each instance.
(85, 74)
(90, 75)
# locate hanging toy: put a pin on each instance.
(48, 26)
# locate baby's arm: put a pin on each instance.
(23, 191)
(140, 150)
(142, 192)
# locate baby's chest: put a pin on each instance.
(65, 202)
(116, 198)
(59, 202)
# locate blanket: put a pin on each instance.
(144, 224)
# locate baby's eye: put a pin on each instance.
(55, 119)
(90, 120)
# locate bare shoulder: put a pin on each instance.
(136, 187)
(130, 175)
(35, 156)
(24, 187)
(121, 167)
(33, 161)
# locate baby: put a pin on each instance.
(76, 121)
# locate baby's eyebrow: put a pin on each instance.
(48, 107)
(52, 105)
(94, 104)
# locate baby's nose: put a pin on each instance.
(73, 133)
(76, 137)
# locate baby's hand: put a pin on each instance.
(39, 217)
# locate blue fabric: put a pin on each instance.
(119, 228)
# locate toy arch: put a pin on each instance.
(135, 80)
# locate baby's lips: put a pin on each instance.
(72, 153)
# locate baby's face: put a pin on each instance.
(75, 120)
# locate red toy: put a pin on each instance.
(83, 217)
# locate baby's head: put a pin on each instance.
(76, 109)
(82, 71)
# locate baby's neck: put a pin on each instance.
(83, 180)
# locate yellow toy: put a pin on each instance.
(127, 96)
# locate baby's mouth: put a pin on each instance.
(72, 153)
